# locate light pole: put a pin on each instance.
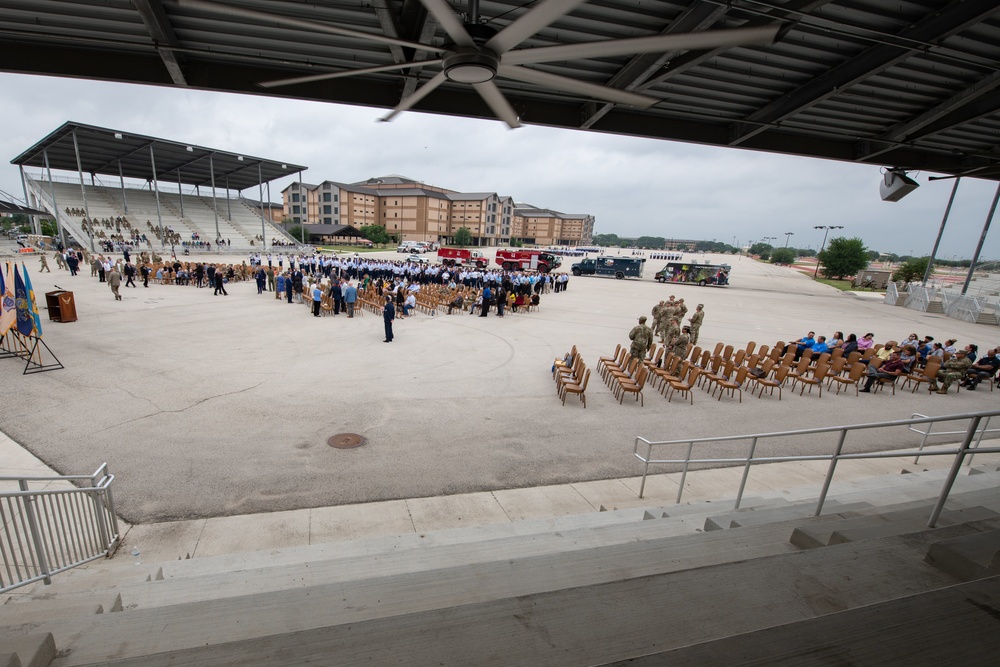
(788, 236)
(826, 230)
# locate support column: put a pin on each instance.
(260, 188)
(215, 209)
(229, 206)
(982, 240)
(55, 204)
(180, 191)
(83, 188)
(121, 178)
(937, 241)
(36, 226)
(156, 189)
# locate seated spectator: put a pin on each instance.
(889, 370)
(971, 352)
(912, 339)
(850, 345)
(984, 369)
(866, 341)
(835, 341)
(937, 350)
(409, 304)
(820, 346)
(802, 344)
(886, 350)
(457, 302)
(477, 304)
(949, 346)
(909, 357)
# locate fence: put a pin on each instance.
(919, 297)
(891, 294)
(962, 306)
(975, 424)
(49, 530)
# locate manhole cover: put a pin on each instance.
(346, 440)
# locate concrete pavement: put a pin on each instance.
(208, 407)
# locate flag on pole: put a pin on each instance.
(25, 324)
(32, 302)
(8, 312)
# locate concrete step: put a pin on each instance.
(752, 517)
(568, 611)
(36, 649)
(938, 627)
(968, 557)
(39, 610)
(706, 508)
(882, 524)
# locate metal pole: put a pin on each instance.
(121, 178)
(156, 189)
(955, 467)
(36, 537)
(229, 206)
(982, 240)
(684, 472)
(746, 473)
(826, 230)
(35, 225)
(180, 191)
(937, 241)
(829, 472)
(215, 209)
(83, 188)
(55, 204)
(260, 189)
(269, 200)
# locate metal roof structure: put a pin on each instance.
(103, 151)
(913, 84)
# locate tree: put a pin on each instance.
(783, 256)
(463, 236)
(805, 252)
(911, 270)
(48, 227)
(763, 250)
(682, 247)
(843, 257)
(297, 232)
(605, 240)
(376, 234)
(652, 242)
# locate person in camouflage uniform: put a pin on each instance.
(682, 310)
(953, 370)
(642, 338)
(673, 331)
(696, 320)
(681, 343)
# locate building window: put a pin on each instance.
(296, 209)
(336, 210)
(327, 210)
(327, 196)
(336, 197)
(295, 196)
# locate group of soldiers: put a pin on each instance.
(667, 316)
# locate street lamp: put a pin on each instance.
(826, 230)
(788, 236)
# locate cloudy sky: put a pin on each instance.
(632, 186)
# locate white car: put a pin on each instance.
(417, 259)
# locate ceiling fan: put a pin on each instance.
(478, 53)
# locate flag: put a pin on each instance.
(8, 312)
(25, 324)
(32, 302)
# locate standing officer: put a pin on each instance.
(696, 320)
(388, 315)
(641, 337)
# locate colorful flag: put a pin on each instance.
(25, 325)
(32, 302)
(8, 312)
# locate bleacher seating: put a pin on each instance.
(198, 215)
(687, 585)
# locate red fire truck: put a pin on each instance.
(537, 260)
(462, 257)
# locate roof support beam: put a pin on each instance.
(691, 59)
(162, 34)
(908, 130)
(939, 26)
(696, 18)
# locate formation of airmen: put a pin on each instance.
(667, 318)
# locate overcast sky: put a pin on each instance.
(633, 187)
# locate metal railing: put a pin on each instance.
(891, 294)
(49, 530)
(962, 306)
(919, 297)
(975, 425)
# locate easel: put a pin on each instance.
(29, 348)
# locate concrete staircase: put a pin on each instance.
(689, 584)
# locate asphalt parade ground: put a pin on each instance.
(209, 406)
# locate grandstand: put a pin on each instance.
(97, 151)
(238, 222)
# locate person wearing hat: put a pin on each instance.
(696, 320)
(952, 370)
(641, 337)
(680, 348)
(388, 315)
